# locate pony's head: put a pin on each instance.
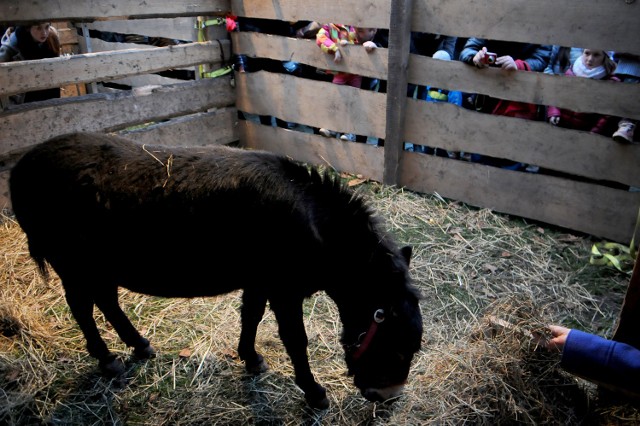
(380, 349)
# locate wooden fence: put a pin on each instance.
(203, 110)
(145, 105)
(583, 204)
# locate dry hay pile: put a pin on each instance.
(474, 268)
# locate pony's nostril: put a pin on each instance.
(386, 394)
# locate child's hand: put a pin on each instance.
(337, 58)
(478, 58)
(369, 46)
(558, 339)
(554, 120)
(506, 63)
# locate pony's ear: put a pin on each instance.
(406, 253)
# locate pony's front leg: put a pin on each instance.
(294, 337)
(253, 307)
(81, 305)
(107, 301)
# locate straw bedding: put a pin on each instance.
(488, 281)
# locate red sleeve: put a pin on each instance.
(522, 65)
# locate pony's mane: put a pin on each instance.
(351, 212)
(352, 203)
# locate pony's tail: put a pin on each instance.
(40, 260)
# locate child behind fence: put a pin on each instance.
(330, 38)
(595, 64)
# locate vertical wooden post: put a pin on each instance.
(628, 329)
(399, 40)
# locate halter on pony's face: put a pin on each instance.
(380, 357)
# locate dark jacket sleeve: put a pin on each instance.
(471, 47)
(602, 361)
(448, 44)
(539, 59)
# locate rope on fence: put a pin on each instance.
(201, 27)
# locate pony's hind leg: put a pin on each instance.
(253, 306)
(107, 302)
(81, 305)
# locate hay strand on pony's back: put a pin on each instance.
(474, 268)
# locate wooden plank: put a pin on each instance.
(318, 104)
(542, 21)
(99, 45)
(88, 10)
(109, 111)
(373, 15)
(627, 329)
(350, 157)
(593, 209)
(399, 40)
(72, 90)
(90, 67)
(305, 51)
(175, 28)
(67, 35)
(452, 128)
(215, 127)
(577, 94)
(136, 81)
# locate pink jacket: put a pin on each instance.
(587, 121)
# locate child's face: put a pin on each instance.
(592, 58)
(365, 34)
(40, 32)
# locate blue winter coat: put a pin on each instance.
(602, 361)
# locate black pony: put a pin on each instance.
(105, 212)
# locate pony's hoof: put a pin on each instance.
(256, 367)
(112, 366)
(319, 401)
(146, 352)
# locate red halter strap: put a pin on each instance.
(378, 317)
